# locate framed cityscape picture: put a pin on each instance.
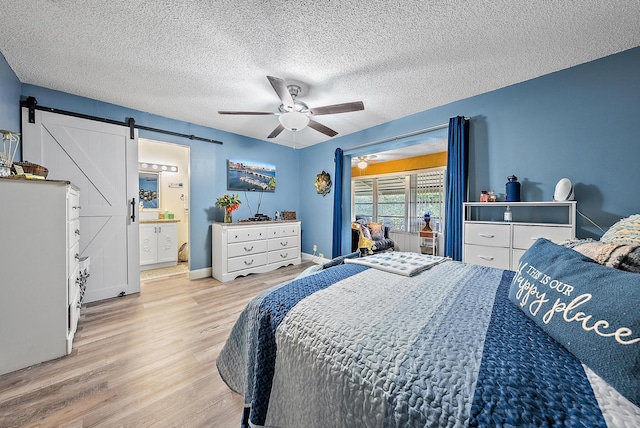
(250, 175)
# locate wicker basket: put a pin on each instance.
(288, 215)
(32, 168)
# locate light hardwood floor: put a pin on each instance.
(142, 360)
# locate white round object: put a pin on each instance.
(564, 190)
(294, 120)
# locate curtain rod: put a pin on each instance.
(397, 137)
(31, 104)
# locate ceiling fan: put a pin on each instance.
(363, 161)
(295, 115)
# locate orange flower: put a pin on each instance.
(228, 202)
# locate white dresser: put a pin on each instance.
(490, 241)
(253, 247)
(41, 281)
(158, 243)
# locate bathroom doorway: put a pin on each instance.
(164, 208)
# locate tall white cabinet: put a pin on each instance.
(39, 271)
(488, 240)
(253, 247)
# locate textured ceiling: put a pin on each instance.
(187, 59)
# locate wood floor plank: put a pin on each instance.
(142, 360)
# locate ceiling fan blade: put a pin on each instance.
(321, 128)
(276, 131)
(337, 108)
(253, 113)
(282, 91)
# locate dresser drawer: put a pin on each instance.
(487, 256)
(284, 242)
(73, 256)
(73, 204)
(246, 248)
(493, 235)
(246, 262)
(283, 230)
(524, 236)
(246, 234)
(516, 254)
(73, 232)
(72, 284)
(285, 254)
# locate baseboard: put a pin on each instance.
(200, 273)
(311, 258)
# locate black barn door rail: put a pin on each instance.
(32, 104)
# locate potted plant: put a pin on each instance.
(229, 203)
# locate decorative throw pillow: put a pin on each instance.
(340, 259)
(310, 271)
(592, 310)
(605, 253)
(366, 232)
(625, 231)
(377, 231)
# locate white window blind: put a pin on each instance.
(401, 200)
(427, 196)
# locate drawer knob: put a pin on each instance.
(284, 256)
(77, 256)
(284, 244)
(488, 258)
(77, 232)
(248, 249)
(248, 263)
(487, 235)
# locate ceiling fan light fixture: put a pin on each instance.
(294, 120)
(362, 164)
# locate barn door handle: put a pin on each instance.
(133, 210)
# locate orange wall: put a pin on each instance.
(408, 164)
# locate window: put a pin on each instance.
(363, 197)
(391, 201)
(401, 200)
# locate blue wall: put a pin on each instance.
(208, 164)
(9, 98)
(575, 123)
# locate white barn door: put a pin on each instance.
(102, 161)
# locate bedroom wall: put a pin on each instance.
(419, 162)
(208, 164)
(9, 98)
(576, 123)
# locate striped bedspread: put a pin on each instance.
(353, 346)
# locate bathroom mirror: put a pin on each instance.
(149, 189)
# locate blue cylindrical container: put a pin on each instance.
(513, 189)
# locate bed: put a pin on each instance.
(409, 340)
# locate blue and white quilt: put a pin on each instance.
(353, 346)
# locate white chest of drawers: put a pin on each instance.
(242, 248)
(41, 278)
(490, 242)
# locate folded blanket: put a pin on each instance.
(407, 264)
(607, 254)
(620, 256)
(631, 262)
